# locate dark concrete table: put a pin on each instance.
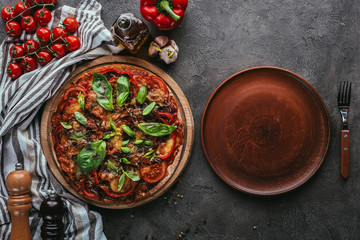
(317, 39)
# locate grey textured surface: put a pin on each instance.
(317, 39)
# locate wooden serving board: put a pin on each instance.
(186, 116)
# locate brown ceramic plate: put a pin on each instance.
(265, 131)
(174, 169)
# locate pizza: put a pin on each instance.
(116, 132)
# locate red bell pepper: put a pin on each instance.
(96, 177)
(88, 194)
(73, 92)
(164, 14)
(115, 195)
(166, 115)
(167, 155)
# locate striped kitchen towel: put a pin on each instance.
(20, 102)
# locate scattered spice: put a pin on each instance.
(182, 234)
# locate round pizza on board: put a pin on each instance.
(117, 133)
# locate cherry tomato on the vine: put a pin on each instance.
(7, 13)
(49, 1)
(43, 35)
(21, 7)
(14, 70)
(43, 16)
(17, 51)
(28, 63)
(73, 43)
(59, 50)
(28, 24)
(13, 29)
(44, 57)
(32, 2)
(70, 24)
(57, 33)
(31, 46)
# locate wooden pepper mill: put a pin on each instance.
(18, 185)
(52, 211)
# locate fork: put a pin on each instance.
(344, 107)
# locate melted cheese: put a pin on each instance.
(116, 141)
(76, 125)
(73, 107)
(166, 147)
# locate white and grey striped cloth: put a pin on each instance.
(20, 102)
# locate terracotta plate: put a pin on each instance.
(174, 169)
(265, 131)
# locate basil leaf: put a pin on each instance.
(80, 118)
(121, 181)
(66, 125)
(112, 124)
(121, 99)
(85, 160)
(103, 91)
(113, 167)
(148, 142)
(125, 149)
(100, 150)
(125, 142)
(156, 129)
(149, 108)
(141, 96)
(138, 142)
(81, 100)
(122, 85)
(91, 156)
(125, 161)
(133, 176)
(149, 154)
(128, 130)
(122, 90)
(77, 135)
(110, 135)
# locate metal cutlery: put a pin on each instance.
(344, 107)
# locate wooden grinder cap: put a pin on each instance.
(18, 182)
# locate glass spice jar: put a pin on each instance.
(130, 32)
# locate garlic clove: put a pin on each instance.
(153, 49)
(169, 54)
(162, 41)
(173, 44)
